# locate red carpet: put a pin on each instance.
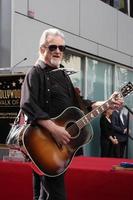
(15, 181)
(90, 178)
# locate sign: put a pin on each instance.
(10, 94)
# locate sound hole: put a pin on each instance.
(72, 129)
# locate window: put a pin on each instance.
(99, 87)
(97, 80)
(123, 76)
(110, 2)
(72, 63)
(121, 5)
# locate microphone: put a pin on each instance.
(10, 68)
(18, 63)
(68, 71)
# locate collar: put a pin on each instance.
(48, 67)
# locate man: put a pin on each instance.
(46, 92)
(120, 125)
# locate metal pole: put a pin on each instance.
(128, 134)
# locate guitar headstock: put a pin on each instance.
(126, 89)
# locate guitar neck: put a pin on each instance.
(93, 114)
(124, 91)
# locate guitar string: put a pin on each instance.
(85, 119)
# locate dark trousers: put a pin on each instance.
(50, 188)
(54, 186)
(108, 149)
(120, 151)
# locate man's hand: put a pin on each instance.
(125, 131)
(114, 140)
(117, 100)
(59, 133)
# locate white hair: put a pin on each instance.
(52, 32)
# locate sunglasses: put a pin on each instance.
(53, 47)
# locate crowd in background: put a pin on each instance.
(114, 133)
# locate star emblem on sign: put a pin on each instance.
(21, 80)
(13, 84)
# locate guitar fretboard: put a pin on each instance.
(93, 114)
(126, 90)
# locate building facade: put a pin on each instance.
(99, 41)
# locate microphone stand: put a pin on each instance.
(128, 109)
(10, 69)
(17, 64)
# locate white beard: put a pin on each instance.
(55, 62)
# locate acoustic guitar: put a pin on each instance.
(53, 159)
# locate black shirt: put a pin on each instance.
(62, 94)
(46, 92)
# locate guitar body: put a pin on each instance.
(51, 158)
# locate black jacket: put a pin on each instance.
(36, 93)
(118, 126)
